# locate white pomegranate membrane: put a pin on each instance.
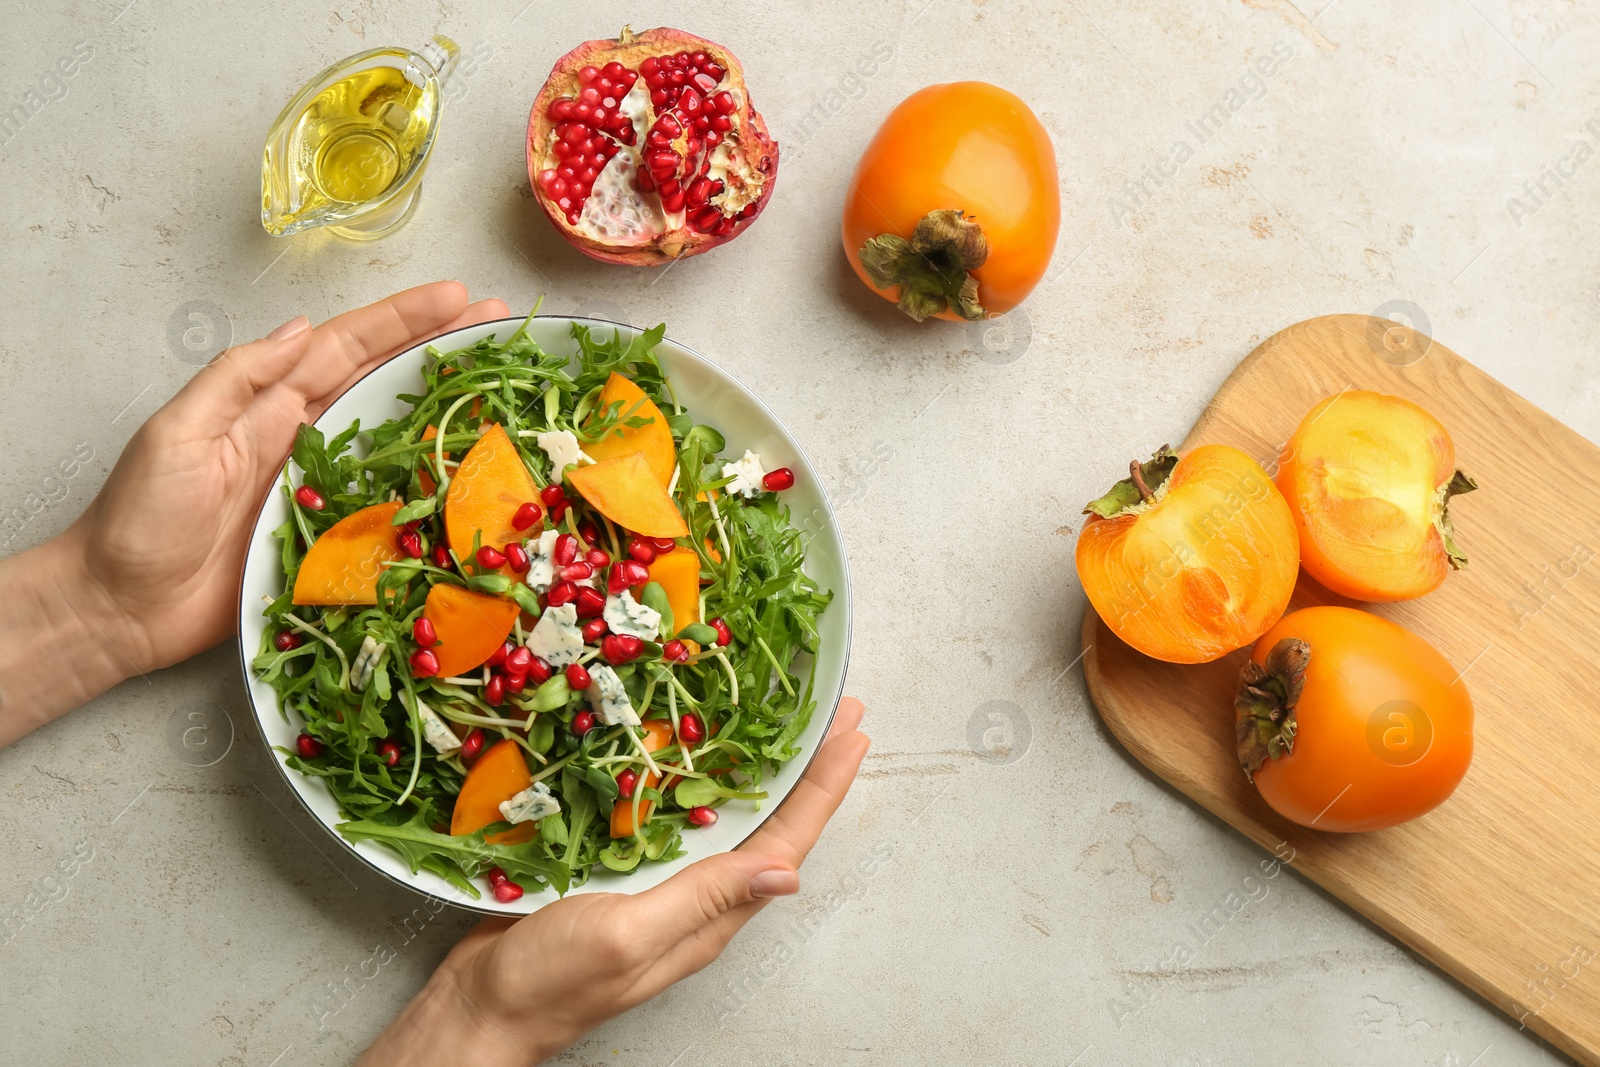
(637, 153)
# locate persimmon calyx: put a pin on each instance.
(1264, 705)
(1144, 485)
(1459, 483)
(931, 268)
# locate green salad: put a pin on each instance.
(540, 622)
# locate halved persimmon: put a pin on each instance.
(626, 491)
(1190, 558)
(488, 487)
(470, 626)
(342, 566)
(1369, 479)
(500, 774)
(653, 439)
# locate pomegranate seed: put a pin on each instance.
(641, 550)
(495, 691)
(580, 571)
(649, 66)
(552, 495)
(594, 630)
(491, 558)
(779, 480)
(590, 602)
(598, 557)
(582, 722)
(587, 75)
(617, 580)
(389, 752)
(627, 782)
(566, 550)
(577, 678)
(558, 510)
(663, 545)
(410, 542)
(496, 875)
(519, 660)
(621, 648)
(309, 498)
(515, 683)
(287, 640)
(424, 664)
(690, 730)
(674, 651)
(517, 558)
(308, 747)
(614, 70)
(441, 556)
(526, 516)
(724, 635)
(472, 746)
(540, 670)
(634, 572)
(507, 891)
(589, 532)
(498, 659)
(424, 633)
(562, 593)
(702, 816)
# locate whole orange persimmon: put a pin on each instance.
(954, 206)
(1349, 722)
(1190, 558)
(1369, 478)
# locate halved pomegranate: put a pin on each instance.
(645, 149)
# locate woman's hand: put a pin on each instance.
(519, 992)
(149, 574)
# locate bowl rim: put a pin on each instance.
(842, 599)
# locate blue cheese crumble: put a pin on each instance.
(556, 638)
(609, 699)
(626, 615)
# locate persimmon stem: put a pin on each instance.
(1138, 482)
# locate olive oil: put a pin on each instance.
(349, 150)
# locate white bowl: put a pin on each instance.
(710, 395)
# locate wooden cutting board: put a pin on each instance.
(1500, 885)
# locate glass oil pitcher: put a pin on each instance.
(349, 150)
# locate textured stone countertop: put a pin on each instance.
(1030, 879)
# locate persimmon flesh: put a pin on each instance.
(1369, 479)
(342, 565)
(653, 439)
(485, 492)
(470, 626)
(1350, 722)
(500, 774)
(1191, 557)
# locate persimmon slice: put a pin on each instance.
(657, 736)
(343, 565)
(1190, 558)
(1369, 479)
(625, 491)
(488, 487)
(653, 439)
(679, 575)
(470, 626)
(500, 774)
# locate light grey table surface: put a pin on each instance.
(1032, 878)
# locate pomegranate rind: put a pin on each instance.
(756, 142)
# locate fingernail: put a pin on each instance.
(777, 883)
(297, 325)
